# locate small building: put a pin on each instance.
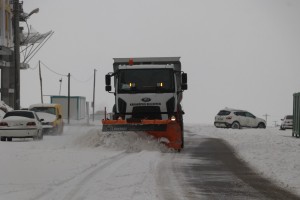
(77, 106)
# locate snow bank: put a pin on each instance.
(122, 141)
(3, 109)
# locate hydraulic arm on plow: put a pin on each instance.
(148, 92)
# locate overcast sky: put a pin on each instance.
(238, 53)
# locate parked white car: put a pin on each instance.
(236, 119)
(21, 124)
(287, 122)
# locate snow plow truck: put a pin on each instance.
(148, 94)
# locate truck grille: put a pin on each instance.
(122, 106)
(146, 112)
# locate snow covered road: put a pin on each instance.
(84, 163)
(78, 165)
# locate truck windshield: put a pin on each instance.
(146, 81)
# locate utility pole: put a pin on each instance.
(41, 82)
(266, 116)
(69, 75)
(94, 95)
(16, 20)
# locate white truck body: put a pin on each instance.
(164, 73)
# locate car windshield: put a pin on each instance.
(19, 114)
(146, 81)
(289, 117)
(49, 110)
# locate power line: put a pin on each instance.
(87, 80)
(76, 79)
(53, 70)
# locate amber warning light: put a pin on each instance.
(130, 62)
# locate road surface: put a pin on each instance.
(85, 164)
(208, 168)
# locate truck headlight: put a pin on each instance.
(173, 118)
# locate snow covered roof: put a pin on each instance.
(42, 105)
(232, 109)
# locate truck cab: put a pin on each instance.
(147, 88)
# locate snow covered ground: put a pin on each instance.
(84, 163)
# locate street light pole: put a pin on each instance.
(16, 19)
(94, 94)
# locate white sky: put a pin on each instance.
(237, 53)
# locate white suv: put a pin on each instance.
(236, 119)
(287, 122)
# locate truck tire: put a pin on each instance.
(180, 119)
(115, 117)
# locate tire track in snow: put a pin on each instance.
(130, 178)
(87, 174)
(168, 186)
(123, 176)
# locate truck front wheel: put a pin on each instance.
(180, 119)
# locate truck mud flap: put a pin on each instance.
(134, 127)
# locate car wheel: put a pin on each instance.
(235, 125)
(55, 131)
(36, 137)
(41, 135)
(261, 125)
(9, 139)
(3, 139)
(61, 130)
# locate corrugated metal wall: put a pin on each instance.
(296, 115)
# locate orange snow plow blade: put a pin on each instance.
(160, 129)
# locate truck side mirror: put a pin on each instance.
(184, 78)
(107, 79)
(108, 88)
(184, 81)
(107, 83)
